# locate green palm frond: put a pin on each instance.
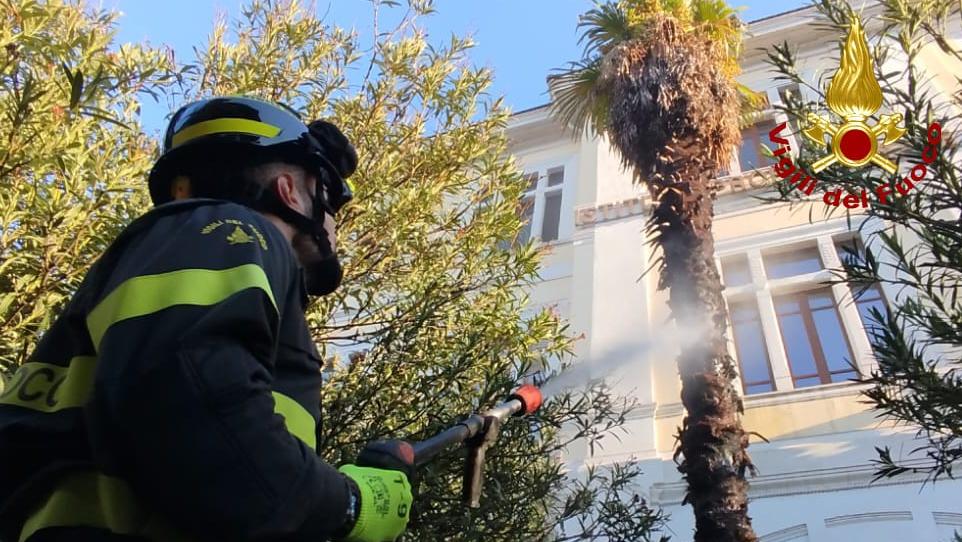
(606, 25)
(578, 97)
(679, 9)
(579, 101)
(711, 11)
(752, 105)
(720, 21)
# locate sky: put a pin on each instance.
(522, 41)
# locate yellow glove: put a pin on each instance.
(385, 503)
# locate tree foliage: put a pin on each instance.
(918, 251)
(72, 155)
(433, 298)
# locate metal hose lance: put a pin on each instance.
(525, 400)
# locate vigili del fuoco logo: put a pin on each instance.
(855, 96)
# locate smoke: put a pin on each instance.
(663, 344)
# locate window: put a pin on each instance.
(866, 300)
(545, 364)
(525, 209)
(779, 293)
(749, 152)
(556, 176)
(532, 179)
(541, 205)
(797, 262)
(552, 216)
(816, 347)
(851, 251)
(735, 271)
(789, 94)
(753, 363)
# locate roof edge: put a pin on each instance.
(774, 15)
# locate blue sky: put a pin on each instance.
(521, 40)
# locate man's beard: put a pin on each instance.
(322, 269)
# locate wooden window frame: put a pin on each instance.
(805, 310)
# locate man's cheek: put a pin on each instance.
(331, 230)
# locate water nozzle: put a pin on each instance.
(530, 397)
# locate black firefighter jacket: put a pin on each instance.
(176, 397)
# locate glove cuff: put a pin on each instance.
(362, 514)
(352, 512)
(385, 503)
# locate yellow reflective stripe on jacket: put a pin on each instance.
(92, 499)
(147, 294)
(220, 126)
(298, 420)
(48, 388)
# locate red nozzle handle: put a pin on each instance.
(530, 397)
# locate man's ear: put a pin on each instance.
(180, 188)
(286, 188)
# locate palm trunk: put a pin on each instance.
(661, 90)
(712, 441)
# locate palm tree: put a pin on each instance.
(657, 78)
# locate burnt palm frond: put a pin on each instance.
(671, 107)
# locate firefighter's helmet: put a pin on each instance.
(246, 130)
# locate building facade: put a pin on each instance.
(791, 334)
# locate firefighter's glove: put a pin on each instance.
(384, 504)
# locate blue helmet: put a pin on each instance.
(247, 130)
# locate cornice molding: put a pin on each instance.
(802, 395)
(952, 519)
(868, 517)
(588, 215)
(669, 410)
(645, 410)
(797, 483)
(828, 391)
(786, 535)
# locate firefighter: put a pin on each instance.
(177, 395)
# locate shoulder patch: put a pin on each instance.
(239, 234)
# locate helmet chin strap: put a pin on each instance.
(323, 276)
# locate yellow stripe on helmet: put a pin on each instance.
(222, 126)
